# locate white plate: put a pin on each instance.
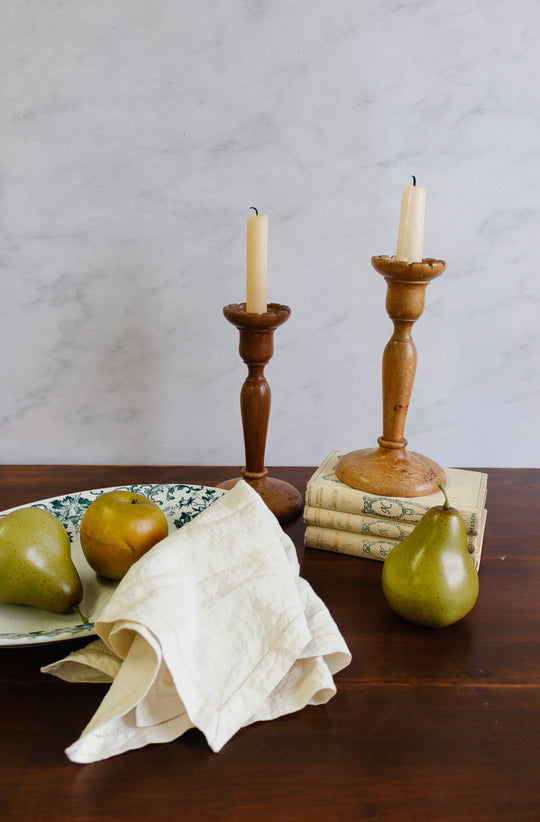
(24, 625)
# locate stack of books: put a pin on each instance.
(342, 519)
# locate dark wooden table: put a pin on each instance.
(426, 724)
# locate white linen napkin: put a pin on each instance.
(213, 628)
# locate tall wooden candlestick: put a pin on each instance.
(390, 469)
(256, 349)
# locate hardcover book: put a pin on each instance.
(376, 527)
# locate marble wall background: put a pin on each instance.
(134, 138)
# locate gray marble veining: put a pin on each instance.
(135, 137)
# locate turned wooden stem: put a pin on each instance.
(390, 468)
(256, 348)
(404, 305)
(405, 301)
(255, 401)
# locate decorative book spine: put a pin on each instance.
(361, 545)
(380, 529)
(345, 542)
(320, 495)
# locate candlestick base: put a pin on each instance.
(392, 472)
(282, 498)
(256, 348)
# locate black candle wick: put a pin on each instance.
(255, 210)
(413, 180)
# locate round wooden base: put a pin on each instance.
(283, 499)
(392, 472)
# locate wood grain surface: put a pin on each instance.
(426, 724)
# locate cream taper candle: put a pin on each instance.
(410, 244)
(256, 262)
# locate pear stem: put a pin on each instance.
(446, 504)
(78, 611)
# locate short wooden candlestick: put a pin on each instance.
(256, 349)
(390, 469)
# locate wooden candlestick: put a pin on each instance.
(390, 469)
(256, 349)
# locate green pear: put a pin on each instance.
(430, 577)
(35, 562)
